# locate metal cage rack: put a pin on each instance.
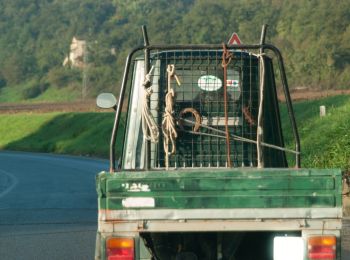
(206, 127)
(199, 108)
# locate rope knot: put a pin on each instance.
(146, 83)
(172, 75)
(168, 123)
(227, 56)
(148, 91)
(149, 126)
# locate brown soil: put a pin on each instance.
(77, 106)
(298, 95)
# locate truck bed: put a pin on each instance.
(220, 194)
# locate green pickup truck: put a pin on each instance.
(204, 172)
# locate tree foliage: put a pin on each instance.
(313, 35)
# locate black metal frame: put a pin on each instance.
(147, 48)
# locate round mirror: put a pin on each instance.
(106, 100)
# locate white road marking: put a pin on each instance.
(13, 183)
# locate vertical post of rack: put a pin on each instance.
(260, 134)
(147, 67)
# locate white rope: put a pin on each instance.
(168, 123)
(260, 133)
(149, 126)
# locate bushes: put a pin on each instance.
(60, 77)
(2, 81)
(33, 89)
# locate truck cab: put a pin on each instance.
(203, 171)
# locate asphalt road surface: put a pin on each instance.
(346, 239)
(48, 207)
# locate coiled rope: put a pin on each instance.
(149, 127)
(168, 123)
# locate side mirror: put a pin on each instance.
(106, 100)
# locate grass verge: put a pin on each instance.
(32, 91)
(66, 133)
(325, 141)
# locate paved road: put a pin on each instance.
(48, 206)
(346, 239)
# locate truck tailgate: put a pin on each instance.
(220, 194)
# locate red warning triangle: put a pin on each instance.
(234, 40)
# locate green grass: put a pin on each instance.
(15, 127)
(65, 133)
(17, 93)
(325, 142)
(59, 95)
(14, 93)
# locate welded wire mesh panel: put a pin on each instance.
(199, 108)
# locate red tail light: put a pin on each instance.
(322, 248)
(120, 248)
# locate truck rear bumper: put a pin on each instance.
(187, 214)
(220, 225)
(220, 220)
